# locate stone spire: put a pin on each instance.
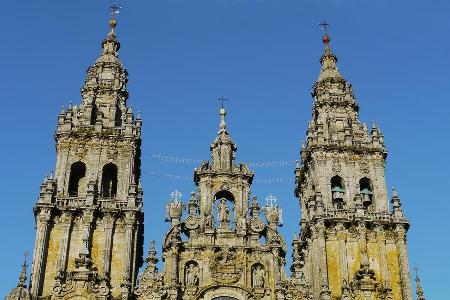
(223, 150)
(328, 61)
(104, 91)
(21, 292)
(419, 289)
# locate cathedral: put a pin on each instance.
(226, 245)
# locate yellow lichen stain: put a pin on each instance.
(394, 270)
(52, 258)
(353, 258)
(334, 271)
(117, 261)
(374, 258)
(97, 249)
(75, 245)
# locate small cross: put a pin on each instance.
(25, 254)
(222, 99)
(176, 195)
(324, 25)
(115, 9)
(271, 200)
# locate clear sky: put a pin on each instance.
(263, 55)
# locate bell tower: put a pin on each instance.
(352, 245)
(89, 218)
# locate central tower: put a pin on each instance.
(222, 249)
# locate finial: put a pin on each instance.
(419, 289)
(223, 113)
(271, 200)
(175, 196)
(23, 274)
(297, 164)
(115, 9)
(325, 38)
(394, 192)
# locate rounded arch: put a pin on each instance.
(337, 191)
(229, 292)
(224, 194)
(258, 275)
(109, 180)
(191, 273)
(366, 190)
(77, 180)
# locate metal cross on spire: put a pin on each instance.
(324, 25)
(271, 200)
(115, 9)
(176, 196)
(25, 254)
(222, 99)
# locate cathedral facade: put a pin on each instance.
(89, 215)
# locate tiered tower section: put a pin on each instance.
(89, 217)
(221, 249)
(351, 245)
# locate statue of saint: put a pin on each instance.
(192, 278)
(223, 212)
(258, 277)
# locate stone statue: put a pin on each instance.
(192, 277)
(223, 212)
(258, 277)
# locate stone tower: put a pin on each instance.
(221, 249)
(89, 219)
(352, 246)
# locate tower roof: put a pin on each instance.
(328, 60)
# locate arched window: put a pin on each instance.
(109, 180)
(337, 192)
(77, 179)
(366, 190)
(224, 201)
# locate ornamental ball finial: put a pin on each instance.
(326, 39)
(112, 23)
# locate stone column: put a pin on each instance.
(130, 221)
(381, 240)
(87, 218)
(66, 225)
(108, 225)
(42, 225)
(341, 236)
(403, 261)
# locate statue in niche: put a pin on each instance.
(242, 223)
(258, 277)
(223, 212)
(192, 275)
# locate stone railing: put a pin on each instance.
(352, 213)
(70, 202)
(78, 202)
(111, 203)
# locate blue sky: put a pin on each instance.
(263, 55)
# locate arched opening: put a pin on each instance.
(258, 276)
(77, 179)
(224, 298)
(366, 190)
(337, 192)
(224, 201)
(191, 274)
(109, 180)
